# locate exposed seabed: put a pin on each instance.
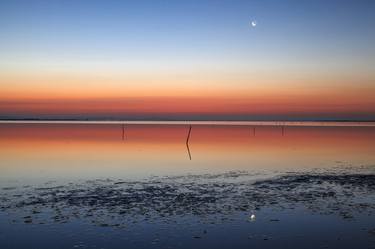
(202, 204)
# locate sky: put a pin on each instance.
(187, 60)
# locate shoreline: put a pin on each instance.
(188, 122)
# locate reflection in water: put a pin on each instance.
(63, 151)
(80, 179)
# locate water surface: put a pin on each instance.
(152, 185)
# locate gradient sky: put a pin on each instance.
(187, 59)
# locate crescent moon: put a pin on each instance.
(253, 23)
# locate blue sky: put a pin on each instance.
(105, 29)
(182, 45)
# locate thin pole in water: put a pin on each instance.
(188, 136)
(123, 132)
(187, 142)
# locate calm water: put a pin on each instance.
(151, 185)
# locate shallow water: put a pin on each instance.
(151, 185)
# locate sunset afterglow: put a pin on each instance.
(187, 60)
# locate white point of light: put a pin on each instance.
(253, 24)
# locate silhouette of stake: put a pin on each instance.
(123, 132)
(187, 142)
(188, 136)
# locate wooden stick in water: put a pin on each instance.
(188, 136)
(123, 132)
(187, 142)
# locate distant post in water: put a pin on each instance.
(188, 136)
(187, 142)
(123, 132)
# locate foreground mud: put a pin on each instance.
(212, 198)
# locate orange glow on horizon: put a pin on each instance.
(253, 104)
(190, 94)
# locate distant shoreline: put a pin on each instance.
(346, 123)
(182, 120)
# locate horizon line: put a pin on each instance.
(201, 122)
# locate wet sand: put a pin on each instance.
(203, 202)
